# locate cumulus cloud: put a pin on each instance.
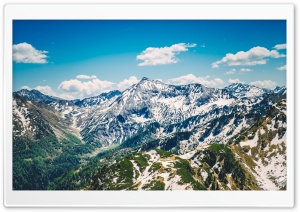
(264, 84)
(80, 89)
(234, 81)
(245, 70)
(86, 77)
(165, 55)
(190, 78)
(26, 87)
(255, 56)
(26, 53)
(76, 89)
(46, 90)
(282, 68)
(232, 71)
(126, 83)
(280, 46)
(66, 96)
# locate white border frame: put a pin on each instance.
(149, 198)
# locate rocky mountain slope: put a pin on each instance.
(211, 167)
(254, 159)
(111, 118)
(153, 136)
(262, 148)
(44, 144)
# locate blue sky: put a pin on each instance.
(78, 59)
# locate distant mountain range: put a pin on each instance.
(169, 137)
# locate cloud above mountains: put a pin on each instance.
(255, 56)
(269, 84)
(86, 76)
(280, 46)
(246, 70)
(153, 56)
(282, 68)
(126, 83)
(79, 89)
(190, 78)
(26, 53)
(233, 71)
(234, 81)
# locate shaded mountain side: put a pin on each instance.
(43, 145)
(212, 167)
(155, 164)
(64, 144)
(262, 148)
(174, 108)
(113, 117)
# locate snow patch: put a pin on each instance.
(251, 142)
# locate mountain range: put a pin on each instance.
(152, 136)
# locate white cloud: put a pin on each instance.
(280, 46)
(46, 90)
(190, 78)
(245, 70)
(282, 68)
(26, 53)
(26, 87)
(126, 83)
(234, 81)
(66, 96)
(86, 77)
(232, 71)
(76, 89)
(218, 82)
(202, 45)
(165, 55)
(264, 84)
(80, 89)
(255, 56)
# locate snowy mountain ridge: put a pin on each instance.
(159, 136)
(111, 118)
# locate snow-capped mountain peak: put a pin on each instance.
(244, 90)
(35, 95)
(115, 116)
(280, 90)
(183, 119)
(97, 100)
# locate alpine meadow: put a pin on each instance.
(149, 105)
